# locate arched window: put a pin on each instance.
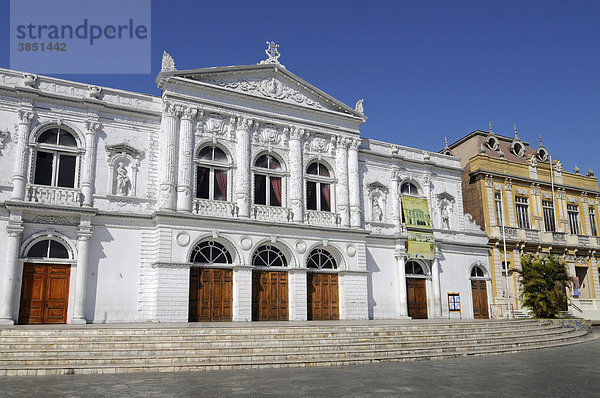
(320, 258)
(477, 272)
(48, 248)
(318, 187)
(56, 159)
(211, 174)
(409, 188)
(267, 181)
(413, 268)
(210, 252)
(268, 256)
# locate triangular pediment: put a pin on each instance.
(269, 82)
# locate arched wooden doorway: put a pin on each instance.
(45, 286)
(269, 285)
(416, 290)
(323, 292)
(211, 288)
(479, 293)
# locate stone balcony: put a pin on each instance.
(322, 218)
(271, 213)
(205, 207)
(544, 237)
(53, 195)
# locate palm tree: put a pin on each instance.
(544, 279)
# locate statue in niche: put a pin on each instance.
(377, 212)
(123, 182)
(445, 217)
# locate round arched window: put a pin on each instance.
(211, 174)
(477, 272)
(413, 268)
(318, 187)
(321, 258)
(409, 188)
(56, 158)
(268, 256)
(48, 248)
(267, 181)
(210, 252)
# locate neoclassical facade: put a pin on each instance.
(241, 193)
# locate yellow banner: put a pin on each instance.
(416, 212)
(421, 245)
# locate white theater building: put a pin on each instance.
(241, 193)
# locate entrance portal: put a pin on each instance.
(323, 297)
(480, 303)
(211, 292)
(269, 296)
(44, 293)
(417, 298)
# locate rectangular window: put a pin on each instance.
(203, 183)
(220, 185)
(593, 221)
(260, 193)
(548, 208)
(311, 195)
(43, 168)
(66, 171)
(573, 212)
(497, 200)
(522, 205)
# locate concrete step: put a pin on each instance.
(60, 350)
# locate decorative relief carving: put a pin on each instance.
(29, 79)
(3, 136)
(269, 88)
(300, 247)
(94, 92)
(535, 190)
(269, 135)
(48, 219)
(572, 199)
(246, 242)
(182, 238)
(497, 186)
(533, 162)
(547, 195)
(558, 167)
(521, 191)
(319, 143)
(350, 250)
(214, 124)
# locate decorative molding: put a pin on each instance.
(94, 92)
(214, 124)
(269, 88)
(50, 219)
(320, 143)
(269, 134)
(547, 195)
(3, 136)
(572, 199)
(522, 191)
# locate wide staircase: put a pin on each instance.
(45, 350)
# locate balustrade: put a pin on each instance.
(53, 195)
(205, 207)
(271, 213)
(322, 218)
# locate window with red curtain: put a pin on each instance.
(267, 184)
(318, 187)
(211, 177)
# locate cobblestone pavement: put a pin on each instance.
(570, 371)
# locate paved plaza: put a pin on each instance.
(558, 372)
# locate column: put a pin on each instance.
(13, 230)
(491, 200)
(186, 161)
(168, 157)
(19, 179)
(296, 173)
(400, 254)
(83, 242)
(586, 228)
(354, 184)
(395, 200)
(89, 159)
(435, 279)
(341, 188)
(243, 196)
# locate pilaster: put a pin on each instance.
(396, 217)
(435, 282)
(508, 195)
(400, 255)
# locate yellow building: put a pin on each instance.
(543, 210)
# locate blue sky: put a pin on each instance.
(426, 69)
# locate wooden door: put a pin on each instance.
(417, 298)
(323, 296)
(480, 303)
(269, 296)
(44, 293)
(211, 294)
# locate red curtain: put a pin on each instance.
(276, 184)
(326, 194)
(221, 178)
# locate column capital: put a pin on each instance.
(189, 113)
(25, 116)
(296, 133)
(354, 143)
(171, 109)
(92, 125)
(244, 123)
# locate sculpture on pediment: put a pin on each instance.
(273, 54)
(558, 166)
(168, 65)
(359, 107)
(533, 162)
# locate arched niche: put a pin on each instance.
(123, 163)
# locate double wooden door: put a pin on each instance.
(480, 303)
(269, 296)
(44, 293)
(323, 296)
(211, 294)
(417, 298)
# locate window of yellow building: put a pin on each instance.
(573, 212)
(593, 221)
(522, 206)
(548, 208)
